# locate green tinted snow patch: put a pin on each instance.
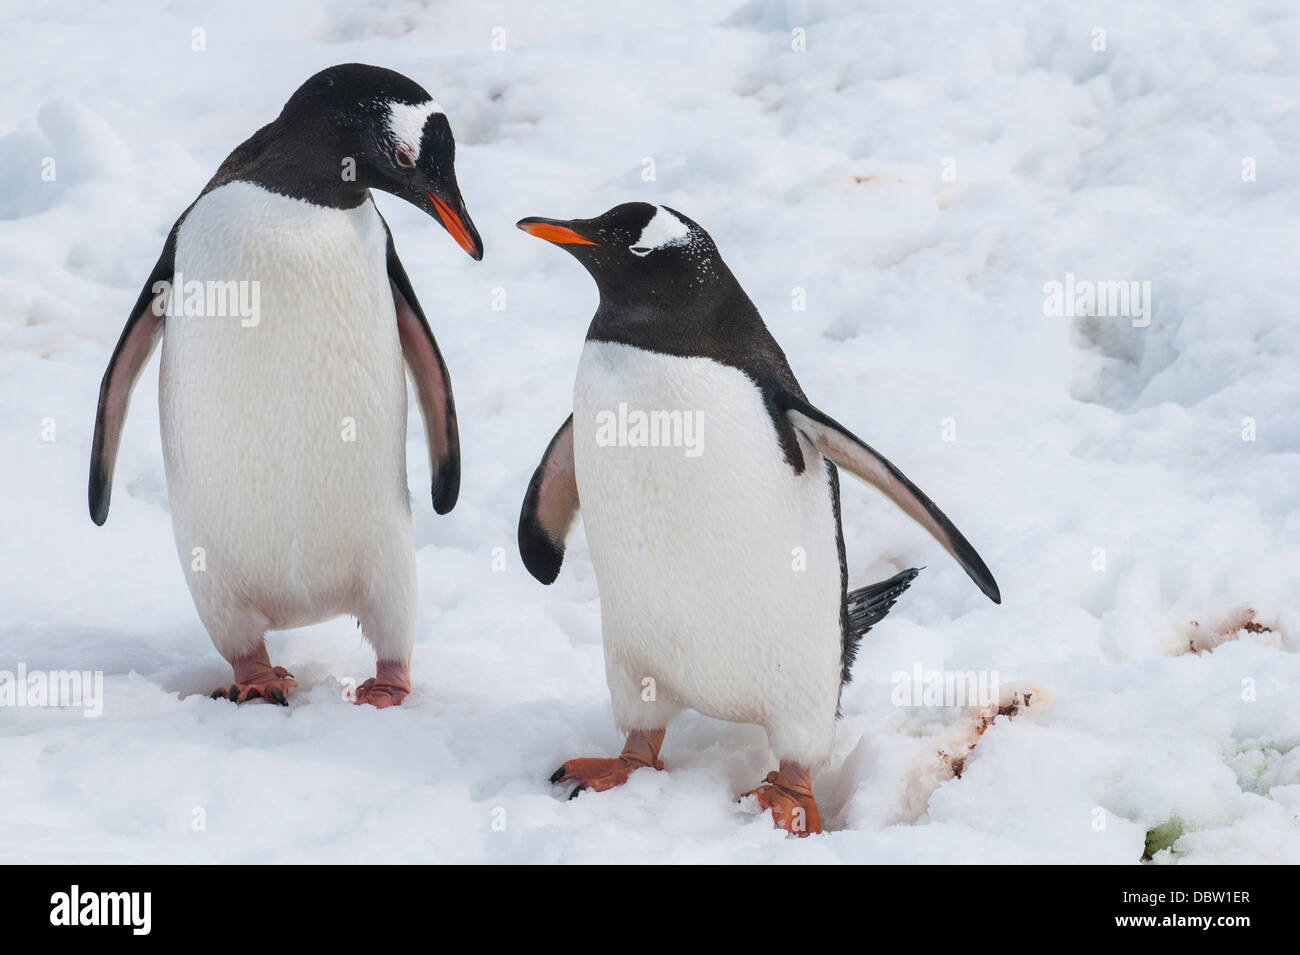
(1162, 836)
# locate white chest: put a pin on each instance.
(313, 349)
(284, 431)
(717, 565)
(245, 255)
(673, 446)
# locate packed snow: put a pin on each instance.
(896, 188)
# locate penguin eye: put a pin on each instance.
(640, 250)
(403, 157)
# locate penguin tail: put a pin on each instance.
(868, 605)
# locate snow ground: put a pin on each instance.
(820, 170)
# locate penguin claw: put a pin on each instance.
(255, 677)
(599, 775)
(389, 687)
(793, 807)
(273, 690)
(378, 696)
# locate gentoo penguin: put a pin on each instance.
(709, 490)
(284, 425)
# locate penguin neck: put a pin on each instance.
(706, 325)
(299, 159)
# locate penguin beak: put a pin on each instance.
(558, 231)
(458, 224)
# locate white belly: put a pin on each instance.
(719, 574)
(285, 441)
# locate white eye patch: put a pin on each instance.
(662, 230)
(406, 122)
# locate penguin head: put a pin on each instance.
(638, 252)
(372, 128)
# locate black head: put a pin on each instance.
(354, 127)
(641, 255)
(664, 288)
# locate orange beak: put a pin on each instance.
(553, 232)
(454, 225)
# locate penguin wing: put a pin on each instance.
(432, 385)
(846, 451)
(550, 507)
(139, 338)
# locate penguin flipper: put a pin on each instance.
(847, 451)
(432, 385)
(550, 507)
(138, 340)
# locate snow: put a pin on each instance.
(914, 177)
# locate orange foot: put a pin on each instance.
(641, 750)
(256, 678)
(788, 793)
(389, 686)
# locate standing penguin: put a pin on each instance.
(284, 426)
(721, 569)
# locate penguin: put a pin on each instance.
(284, 418)
(719, 556)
